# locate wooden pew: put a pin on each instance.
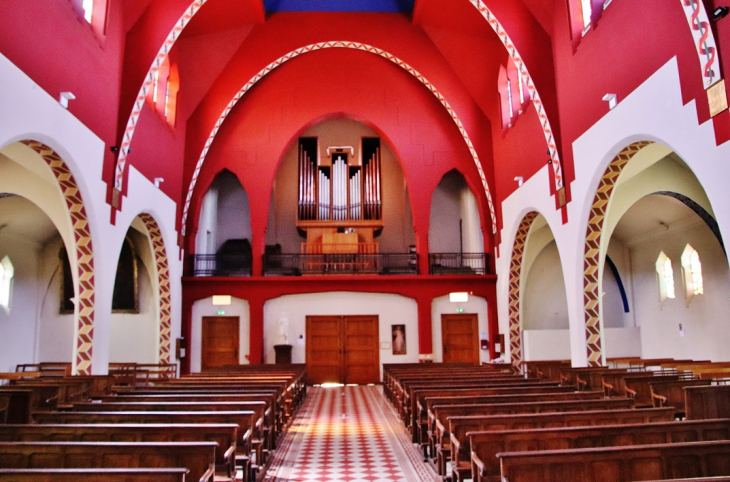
(440, 409)
(258, 408)
(418, 392)
(226, 435)
(4, 407)
(419, 418)
(95, 475)
(672, 393)
(707, 402)
(197, 457)
(244, 420)
(462, 427)
(618, 464)
(439, 437)
(270, 415)
(544, 369)
(486, 445)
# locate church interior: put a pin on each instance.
(500, 197)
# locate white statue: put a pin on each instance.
(284, 329)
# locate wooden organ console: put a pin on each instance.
(340, 197)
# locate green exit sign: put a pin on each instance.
(460, 310)
(221, 312)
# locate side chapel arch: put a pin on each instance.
(85, 291)
(515, 272)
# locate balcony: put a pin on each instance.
(220, 264)
(341, 264)
(458, 263)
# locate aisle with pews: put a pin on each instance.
(347, 433)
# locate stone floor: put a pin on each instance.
(348, 433)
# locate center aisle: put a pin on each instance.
(350, 434)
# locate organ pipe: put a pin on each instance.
(339, 192)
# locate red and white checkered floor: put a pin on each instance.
(350, 434)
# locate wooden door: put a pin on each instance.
(324, 349)
(362, 350)
(459, 334)
(343, 349)
(220, 341)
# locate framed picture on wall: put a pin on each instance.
(399, 339)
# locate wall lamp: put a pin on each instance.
(719, 12)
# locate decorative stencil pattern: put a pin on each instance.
(591, 296)
(536, 100)
(163, 280)
(342, 45)
(142, 95)
(704, 40)
(515, 270)
(84, 255)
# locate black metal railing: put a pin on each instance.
(220, 264)
(458, 263)
(340, 263)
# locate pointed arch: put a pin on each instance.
(341, 45)
(163, 283)
(515, 273)
(84, 328)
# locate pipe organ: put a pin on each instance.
(339, 187)
(340, 193)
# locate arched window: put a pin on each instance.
(586, 10)
(692, 271)
(6, 282)
(88, 6)
(665, 275)
(163, 94)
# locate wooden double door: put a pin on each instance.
(343, 349)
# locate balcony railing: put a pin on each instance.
(458, 263)
(340, 263)
(220, 264)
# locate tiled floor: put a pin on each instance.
(349, 434)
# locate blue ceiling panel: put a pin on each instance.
(392, 6)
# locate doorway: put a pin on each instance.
(343, 349)
(459, 334)
(220, 341)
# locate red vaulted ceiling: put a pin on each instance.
(450, 43)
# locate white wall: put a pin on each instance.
(451, 201)
(205, 307)
(705, 318)
(135, 336)
(546, 344)
(390, 309)
(654, 111)
(56, 331)
(30, 113)
(18, 326)
(442, 305)
(555, 344)
(544, 303)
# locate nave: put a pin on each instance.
(347, 433)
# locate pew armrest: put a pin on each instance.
(455, 444)
(630, 393)
(479, 464)
(209, 475)
(659, 400)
